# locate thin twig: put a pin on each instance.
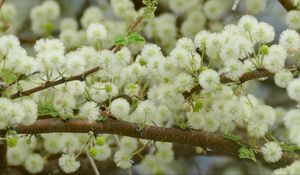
(92, 162)
(1, 3)
(79, 77)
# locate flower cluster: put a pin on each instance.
(44, 16)
(177, 81)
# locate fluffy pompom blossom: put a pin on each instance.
(293, 90)
(271, 151)
(96, 32)
(209, 79)
(123, 159)
(120, 108)
(34, 163)
(89, 110)
(290, 40)
(68, 163)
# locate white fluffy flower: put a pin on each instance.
(186, 43)
(255, 6)
(103, 152)
(257, 129)
(30, 109)
(34, 163)
(209, 79)
(51, 9)
(132, 89)
(129, 144)
(210, 122)
(230, 52)
(120, 108)
(234, 69)
(248, 25)
(68, 163)
(16, 155)
(200, 39)
(292, 118)
(48, 46)
(293, 90)
(282, 78)
(195, 120)
(7, 43)
(123, 159)
(68, 24)
(290, 40)
(53, 143)
(91, 14)
(265, 33)
(184, 82)
(89, 110)
(70, 143)
(273, 63)
(293, 19)
(271, 151)
(96, 32)
(263, 114)
(103, 91)
(150, 51)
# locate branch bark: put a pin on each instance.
(211, 141)
(287, 4)
(252, 75)
(1, 3)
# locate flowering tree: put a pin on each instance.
(123, 84)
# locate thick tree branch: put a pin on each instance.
(287, 4)
(211, 141)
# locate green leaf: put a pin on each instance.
(198, 106)
(121, 41)
(47, 108)
(286, 147)
(252, 141)
(8, 76)
(247, 153)
(134, 38)
(233, 138)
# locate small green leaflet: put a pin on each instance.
(247, 153)
(47, 108)
(291, 148)
(135, 38)
(233, 138)
(132, 38)
(121, 41)
(8, 76)
(198, 106)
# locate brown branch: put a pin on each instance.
(287, 4)
(79, 77)
(211, 141)
(1, 3)
(252, 75)
(3, 150)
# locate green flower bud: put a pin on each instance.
(264, 49)
(12, 141)
(100, 141)
(93, 151)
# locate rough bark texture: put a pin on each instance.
(287, 4)
(212, 141)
